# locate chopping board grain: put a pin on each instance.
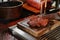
(39, 32)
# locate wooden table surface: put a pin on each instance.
(5, 26)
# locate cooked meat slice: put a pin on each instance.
(44, 22)
(38, 22)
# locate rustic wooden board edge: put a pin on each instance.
(55, 25)
(35, 34)
(40, 33)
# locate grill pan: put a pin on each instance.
(52, 35)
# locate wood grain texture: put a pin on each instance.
(40, 32)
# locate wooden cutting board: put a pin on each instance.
(24, 26)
